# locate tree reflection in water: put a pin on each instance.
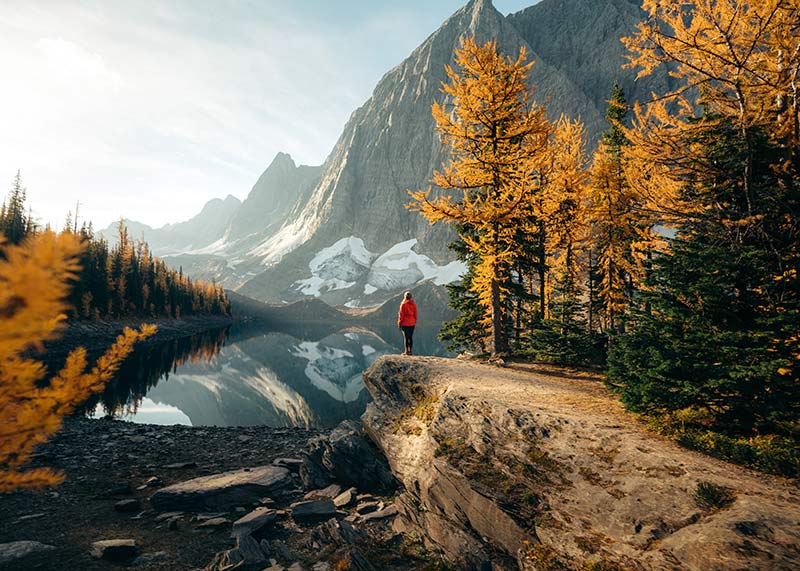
(301, 374)
(151, 364)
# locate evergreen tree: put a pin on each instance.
(560, 333)
(465, 332)
(619, 227)
(721, 332)
(721, 335)
(15, 222)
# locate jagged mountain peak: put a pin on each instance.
(283, 159)
(482, 12)
(228, 202)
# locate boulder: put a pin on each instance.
(292, 464)
(127, 505)
(345, 498)
(385, 513)
(367, 507)
(349, 458)
(313, 509)
(328, 492)
(16, 550)
(249, 550)
(114, 549)
(254, 522)
(222, 491)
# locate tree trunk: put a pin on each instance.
(499, 345)
(542, 269)
(590, 324)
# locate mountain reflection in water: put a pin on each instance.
(306, 375)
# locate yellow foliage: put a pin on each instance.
(503, 152)
(34, 281)
(737, 60)
(561, 203)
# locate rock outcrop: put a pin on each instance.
(15, 551)
(522, 467)
(348, 458)
(239, 487)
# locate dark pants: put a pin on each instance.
(408, 337)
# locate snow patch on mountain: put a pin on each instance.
(336, 267)
(402, 267)
(348, 262)
(289, 237)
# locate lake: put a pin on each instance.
(305, 375)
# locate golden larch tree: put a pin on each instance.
(620, 223)
(738, 61)
(35, 279)
(498, 139)
(563, 200)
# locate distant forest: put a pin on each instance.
(126, 280)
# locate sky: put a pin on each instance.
(149, 109)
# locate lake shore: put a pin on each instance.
(97, 336)
(107, 462)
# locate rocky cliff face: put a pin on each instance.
(534, 469)
(582, 40)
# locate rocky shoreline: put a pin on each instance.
(157, 498)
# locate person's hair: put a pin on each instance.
(407, 295)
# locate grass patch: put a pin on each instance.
(772, 454)
(545, 558)
(710, 496)
(424, 406)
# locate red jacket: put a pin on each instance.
(408, 313)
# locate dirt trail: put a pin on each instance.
(584, 397)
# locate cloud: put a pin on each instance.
(77, 68)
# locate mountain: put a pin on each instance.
(390, 145)
(341, 232)
(201, 230)
(236, 255)
(274, 197)
(582, 39)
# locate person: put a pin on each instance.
(406, 320)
